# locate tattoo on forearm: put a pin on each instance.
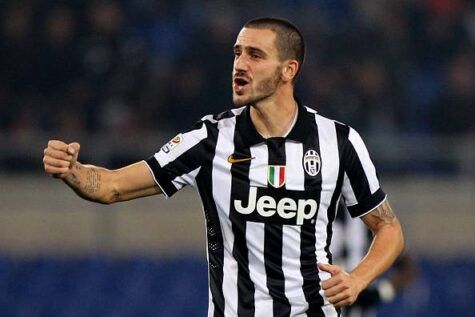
(93, 181)
(117, 196)
(75, 180)
(384, 213)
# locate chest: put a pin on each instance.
(279, 181)
(280, 164)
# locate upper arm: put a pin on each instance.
(380, 216)
(133, 181)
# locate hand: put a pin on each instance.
(59, 158)
(342, 288)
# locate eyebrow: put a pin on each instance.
(250, 48)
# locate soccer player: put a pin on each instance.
(270, 173)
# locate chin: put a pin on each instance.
(239, 102)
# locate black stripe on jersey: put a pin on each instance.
(224, 115)
(273, 242)
(214, 235)
(341, 136)
(359, 183)
(240, 188)
(183, 164)
(165, 182)
(308, 258)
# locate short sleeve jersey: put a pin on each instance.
(269, 205)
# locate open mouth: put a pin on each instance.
(240, 83)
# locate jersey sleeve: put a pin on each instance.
(179, 161)
(361, 189)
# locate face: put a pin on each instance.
(257, 68)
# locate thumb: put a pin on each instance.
(332, 269)
(73, 149)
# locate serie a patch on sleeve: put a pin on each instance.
(173, 143)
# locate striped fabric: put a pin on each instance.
(269, 206)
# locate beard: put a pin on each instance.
(264, 89)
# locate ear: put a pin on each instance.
(289, 71)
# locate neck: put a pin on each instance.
(273, 116)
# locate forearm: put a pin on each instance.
(96, 183)
(92, 183)
(388, 243)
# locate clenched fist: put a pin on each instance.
(341, 289)
(59, 158)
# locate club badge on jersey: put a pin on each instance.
(312, 163)
(172, 143)
(276, 175)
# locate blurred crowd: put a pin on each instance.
(144, 65)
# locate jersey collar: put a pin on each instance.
(251, 137)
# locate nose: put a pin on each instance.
(241, 63)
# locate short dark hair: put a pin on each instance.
(289, 41)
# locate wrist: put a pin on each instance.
(72, 177)
(361, 282)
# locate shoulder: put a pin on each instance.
(225, 116)
(344, 133)
(340, 127)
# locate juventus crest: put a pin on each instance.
(312, 162)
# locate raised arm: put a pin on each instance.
(95, 183)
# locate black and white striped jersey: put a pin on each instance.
(269, 206)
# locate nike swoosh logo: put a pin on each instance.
(233, 160)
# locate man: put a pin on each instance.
(270, 174)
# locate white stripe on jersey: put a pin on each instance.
(190, 139)
(291, 269)
(257, 270)
(210, 297)
(257, 174)
(295, 171)
(291, 234)
(329, 311)
(255, 235)
(222, 196)
(186, 179)
(348, 192)
(330, 166)
(365, 160)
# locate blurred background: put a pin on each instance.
(122, 77)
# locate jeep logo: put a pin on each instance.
(286, 208)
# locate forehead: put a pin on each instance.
(263, 39)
